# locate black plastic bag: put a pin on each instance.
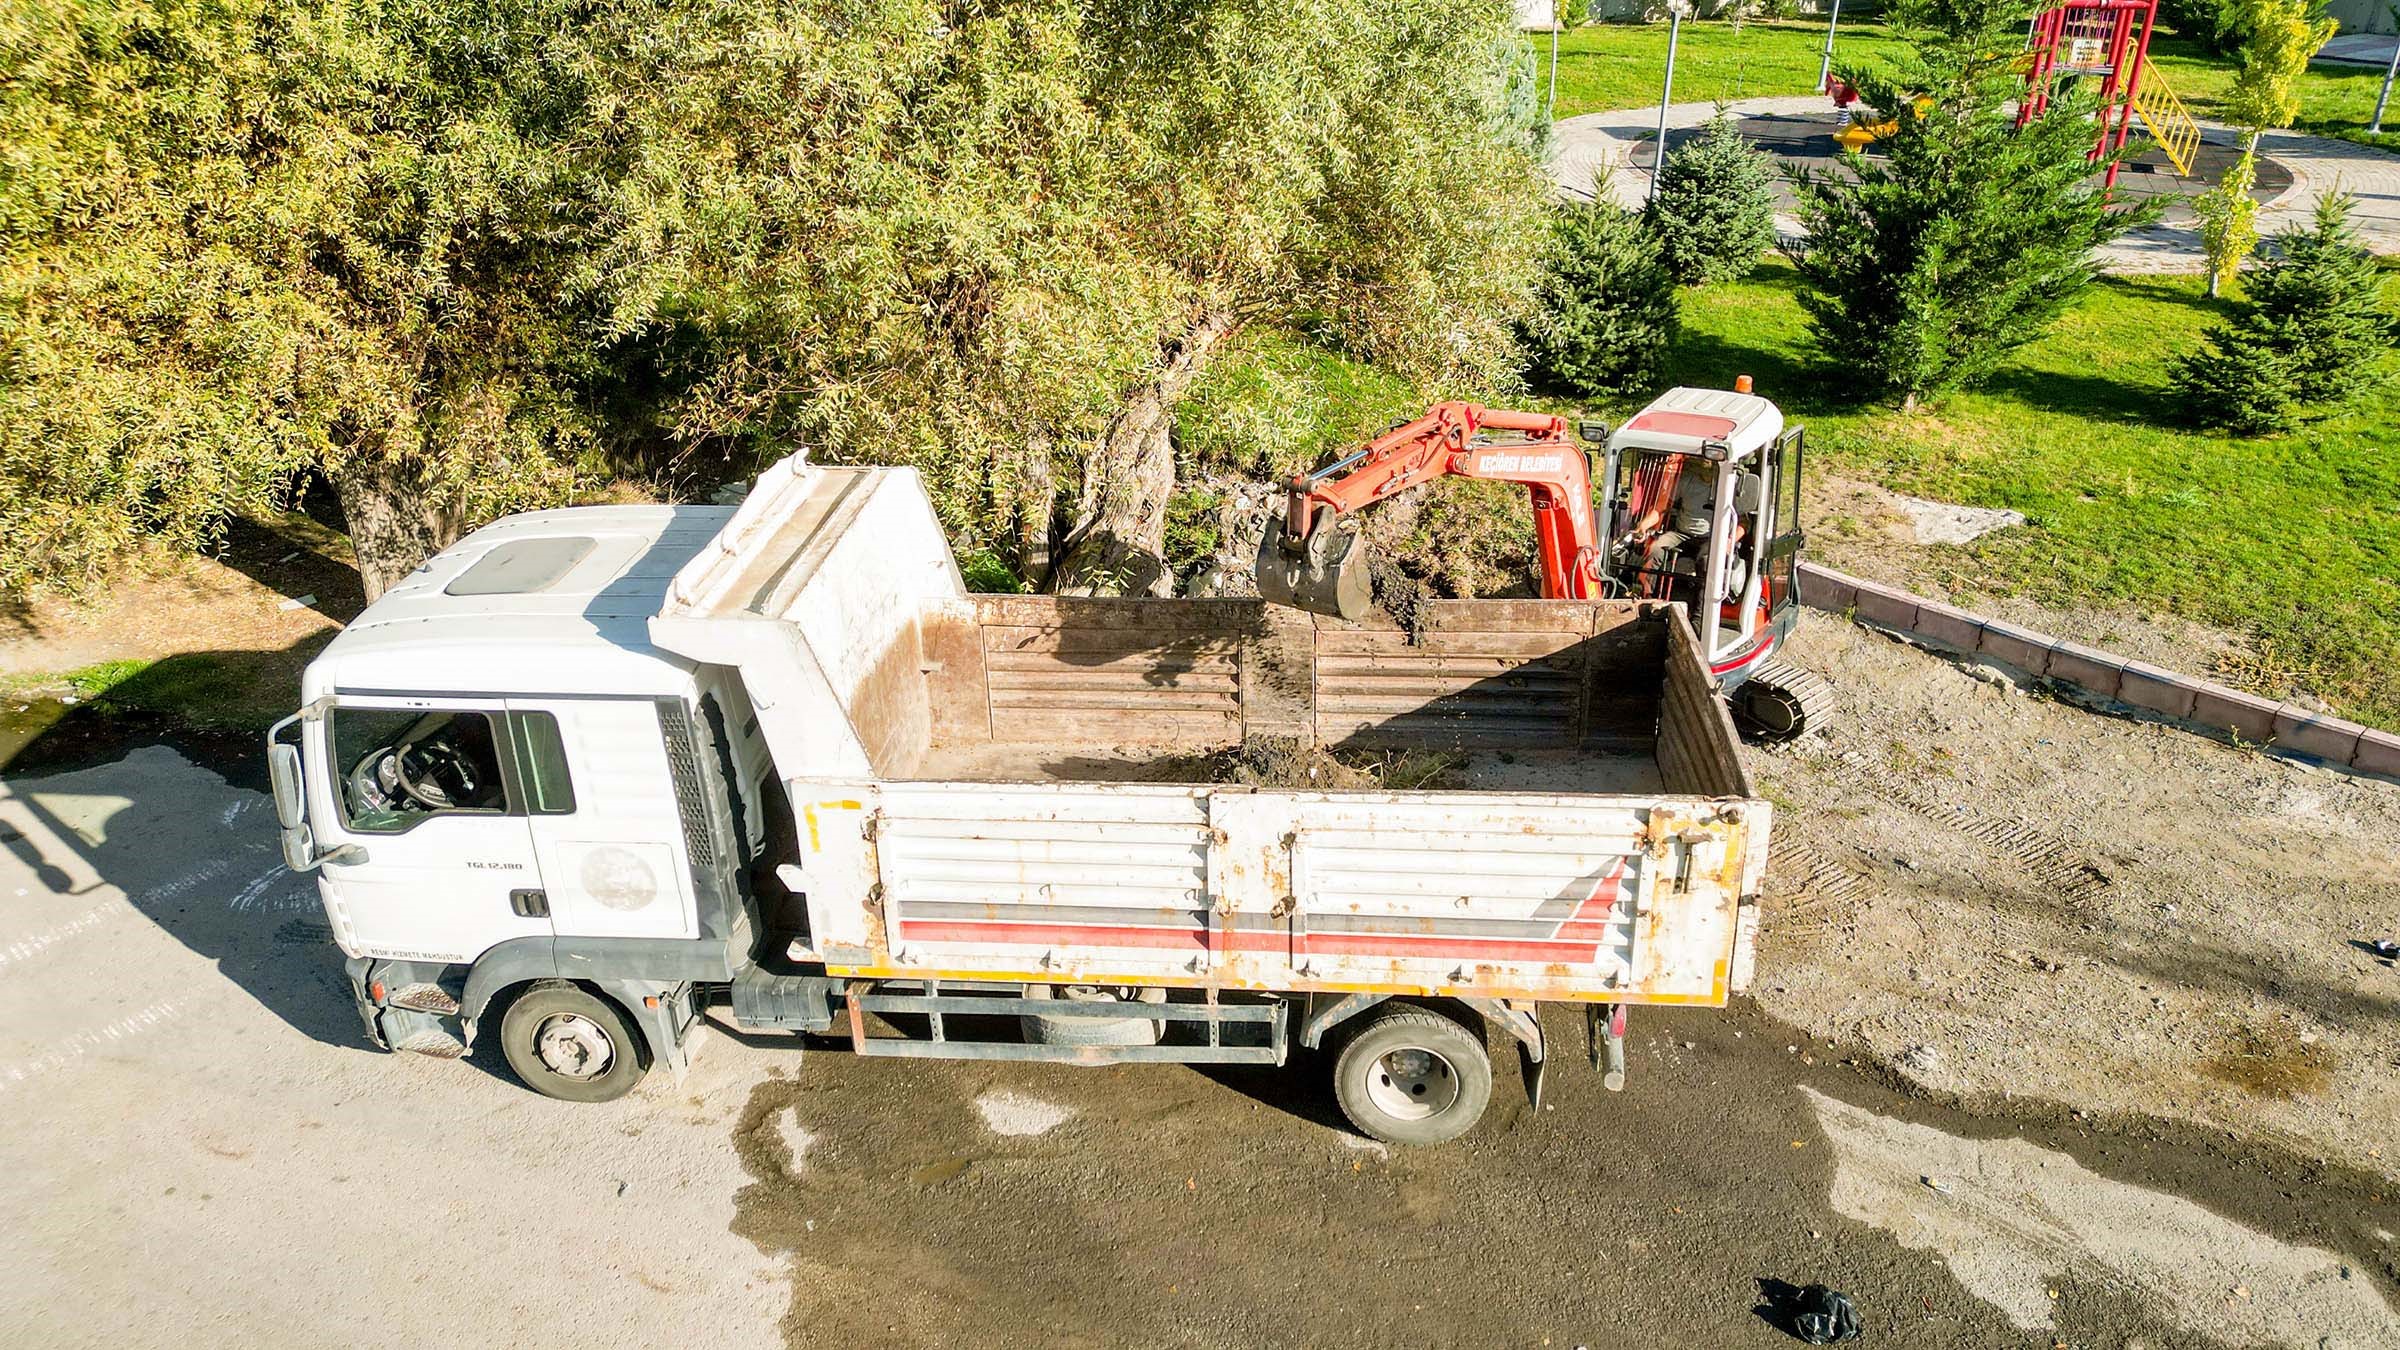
(1823, 1317)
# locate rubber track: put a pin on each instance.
(1814, 692)
(2044, 856)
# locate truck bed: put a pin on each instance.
(1030, 788)
(1590, 834)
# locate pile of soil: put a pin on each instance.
(2001, 895)
(1272, 762)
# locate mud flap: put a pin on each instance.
(1536, 1069)
(1606, 1024)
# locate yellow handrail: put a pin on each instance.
(2171, 124)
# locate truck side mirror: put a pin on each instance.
(1593, 431)
(283, 778)
(300, 848)
(1749, 492)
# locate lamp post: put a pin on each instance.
(2386, 95)
(1676, 9)
(1825, 66)
(1550, 109)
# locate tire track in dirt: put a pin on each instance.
(2045, 856)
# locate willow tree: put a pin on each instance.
(452, 252)
(249, 237)
(999, 241)
(1368, 165)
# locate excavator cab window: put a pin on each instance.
(1783, 551)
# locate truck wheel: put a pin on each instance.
(1411, 1076)
(568, 1043)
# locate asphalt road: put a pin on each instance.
(197, 1148)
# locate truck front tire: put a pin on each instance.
(566, 1042)
(1413, 1076)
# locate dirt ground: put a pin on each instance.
(2005, 896)
(2059, 1039)
(233, 600)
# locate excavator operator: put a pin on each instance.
(1668, 544)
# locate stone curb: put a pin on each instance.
(2227, 714)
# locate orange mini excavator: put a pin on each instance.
(1700, 506)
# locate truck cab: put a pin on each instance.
(502, 774)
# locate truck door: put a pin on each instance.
(604, 819)
(432, 857)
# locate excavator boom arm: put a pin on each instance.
(1533, 449)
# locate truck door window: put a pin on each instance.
(400, 767)
(542, 764)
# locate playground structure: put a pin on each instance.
(2108, 40)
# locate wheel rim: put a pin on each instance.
(573, 1046)
(1412, 1083)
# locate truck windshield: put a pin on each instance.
(401, 766)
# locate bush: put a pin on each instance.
(1607, 301)
(1715, 209)
(2210, 23)
(2310, 334)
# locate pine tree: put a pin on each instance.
(2325, 292)
(1965, 237)
(2310, 334)
(1715, 209)
(2240, 379)
(1607, 302)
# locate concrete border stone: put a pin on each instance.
(2377, 752)
(2310, 732)
(2087, 668)
(1953, 628)
(2023, 648)
(2246, 716)
(2202, 705)
(2157, 689)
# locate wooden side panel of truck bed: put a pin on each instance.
(1515, 895)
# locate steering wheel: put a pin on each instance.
(434, 773)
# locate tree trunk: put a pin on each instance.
(394, 522)
(1037, 504)
(1118, 543)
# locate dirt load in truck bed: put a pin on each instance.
(2002, 895)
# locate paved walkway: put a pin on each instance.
(2359, 49)
(1581, 146)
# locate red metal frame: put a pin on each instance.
(2124, 27)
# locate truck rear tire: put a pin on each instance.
(1413, 1076)
(567, 1042)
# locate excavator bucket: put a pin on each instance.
(1325, 573)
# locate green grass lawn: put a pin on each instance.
(2293, 540)
(1618, 65)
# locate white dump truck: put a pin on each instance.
(600, 773)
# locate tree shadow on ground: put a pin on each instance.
(194, 854)
(2095, 396)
